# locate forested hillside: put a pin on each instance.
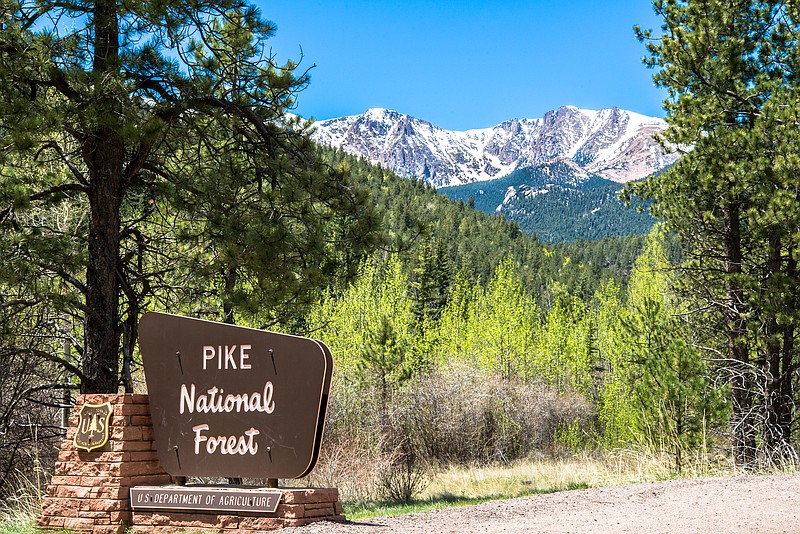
(439, 253)
(557, 205)
(419, 220)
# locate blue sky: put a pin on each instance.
(468, 64)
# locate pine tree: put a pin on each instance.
(673, 399)
(657, 390)
(430, 282)
(383, 362)
(114, 108)
(730, 69)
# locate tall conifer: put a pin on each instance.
(731, 72)
(110, 107)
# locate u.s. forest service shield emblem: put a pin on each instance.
(93, 426)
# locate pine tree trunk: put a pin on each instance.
(786, 388)
(771, 364)
(230, 276)
(104, 153)
(100, 362)
(786, 416)
(741, 388)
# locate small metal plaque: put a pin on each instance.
(205, 499)
(93, 426)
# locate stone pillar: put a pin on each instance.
(90, 491)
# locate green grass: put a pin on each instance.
(365, 509)
(16, 527)
(25, 526)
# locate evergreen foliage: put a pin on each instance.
(658, 386)
(730, 69)
(145, 150)
(553, 204)
(563, 214)
(464, 240)
(467, 241)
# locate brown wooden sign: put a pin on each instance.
(205, 498)
(232, 401)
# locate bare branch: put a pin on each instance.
(69, 366)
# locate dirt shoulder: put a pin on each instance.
(724, 505)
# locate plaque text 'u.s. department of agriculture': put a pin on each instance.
(205, 498)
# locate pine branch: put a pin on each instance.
(63, 188)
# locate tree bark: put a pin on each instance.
(230, 277)
(742, 419)
(788, 362)
(771, 366)
(104, 153)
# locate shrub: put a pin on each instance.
(30, 419)
(460, 415)
(457, 414)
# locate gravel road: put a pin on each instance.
(748, 504)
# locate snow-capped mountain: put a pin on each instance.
(611, 143)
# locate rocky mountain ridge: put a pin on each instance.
(614, 144)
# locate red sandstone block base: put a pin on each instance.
(90, 491)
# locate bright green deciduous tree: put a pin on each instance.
(374, 311)
(671, 400)
(615, 374)
(449, 340)
(566, 346)
(502, 325)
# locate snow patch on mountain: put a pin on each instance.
(612, 143)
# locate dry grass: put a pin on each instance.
(356, 467)
(459, 485)
(18, 512)
(547, 475)
(450, 486)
